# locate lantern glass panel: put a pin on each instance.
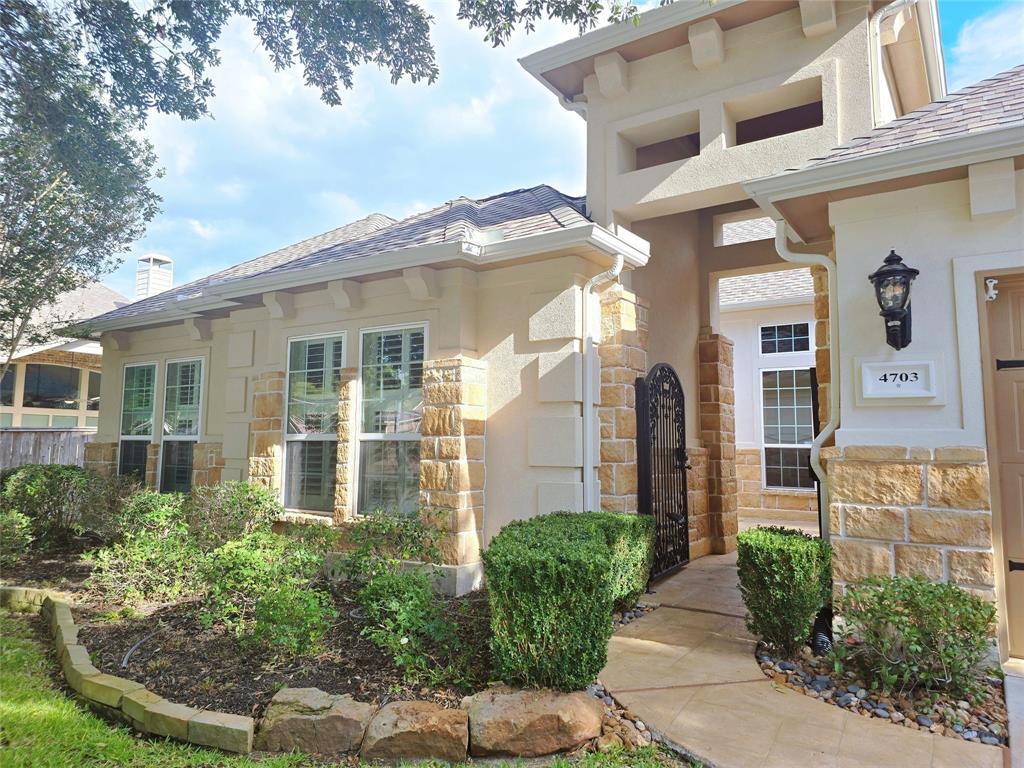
(892, 293)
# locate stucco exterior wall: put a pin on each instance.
(522, 323)
(667, 85)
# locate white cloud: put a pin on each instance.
(411, 209)
(991, 43)
(453, 121)
(339, 207)
(233, 190)
(205, 231)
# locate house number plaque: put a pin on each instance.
(888, 379)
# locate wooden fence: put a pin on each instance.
(24, 445)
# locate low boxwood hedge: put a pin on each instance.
(785, 579)
(553, 582)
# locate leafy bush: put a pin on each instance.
(381, 540)
(15, 537)
(42, 492)
(292, 619)
(785, 579)
(906, 632)
(551, 602)
(155, 558)
(220, 513)
(97, 505)
(406, 618)
(239, 573)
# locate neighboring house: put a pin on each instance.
(481, 357)
(769, 317)
(57, 384)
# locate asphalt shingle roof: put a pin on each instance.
(795, 284)
(993, 103)
(514, 214)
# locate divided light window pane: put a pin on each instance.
(392, 381)
(137, 400)
(794, 337)
(314, 366)
(182, 395)
(176, 472)
(788, 423)
(389, 476)
(131, 459)
(50, 386)
(311, 472)
(93, 403)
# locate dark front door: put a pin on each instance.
(662, 465)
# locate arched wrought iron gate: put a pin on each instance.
(662, 464)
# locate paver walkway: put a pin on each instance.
(688, 670)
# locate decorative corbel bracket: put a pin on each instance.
(422, 282)
(198, 328)
(281, 305)
(346, 294)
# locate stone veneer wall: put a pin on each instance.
(344, 473)
(265, 430)
(718, 435)
(697, 502)
(58, 357)
(452, 444)
(822, 352)
(911, 511)
(756, 501)
(623, 354)
(207, 463)
(153, 465)
(101, 458)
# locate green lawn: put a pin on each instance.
(40, 727)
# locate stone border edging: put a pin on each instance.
(126, 699)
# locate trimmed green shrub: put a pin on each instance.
(42, 493)
(97, 505)
(15, 537)
(905, 632)
(220, 513)
(380, 541)
(155, 558)
(785, 579)
(292, 619)
(240, 572)
(551, 595)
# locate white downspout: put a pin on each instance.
(589, 366)
(875, 52)
(781, 245)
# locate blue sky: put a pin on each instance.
(275, 165)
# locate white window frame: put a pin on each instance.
(776, 355)
(198, 436)
(361, 436)
(764, 444)
(318, 436)
(120, 417)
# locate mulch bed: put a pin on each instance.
(59, 568)
(210, 669)
(984, 721)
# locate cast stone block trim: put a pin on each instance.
(756, 501)
(452, 447)
(207, 463)
(912, 511)
(101, 458)
(718, 435)
(344, 472)
(266, 450)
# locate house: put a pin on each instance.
(56, 385)
(769, 317)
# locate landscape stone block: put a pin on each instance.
(310, 720)
(65, 634)
(232, 733)
(107, 689)
(409, 730)
(134, 703)
(165, 718)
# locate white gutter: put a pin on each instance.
(781, 245)
(589, 366)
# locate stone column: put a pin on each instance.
(153, 465)
(452, 457)
(822, 351)
(718, 434)
(623, 354)
(266, 436)
(344, 476)
(101, 458)
(207, 463)
(912, 511)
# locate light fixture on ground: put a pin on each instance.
(892, 291)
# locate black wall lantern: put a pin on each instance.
(892, 290)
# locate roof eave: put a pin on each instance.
(883, 166)
(635, 252)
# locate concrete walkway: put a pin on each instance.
(688, 670)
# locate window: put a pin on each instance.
(789, 108)
(50, 386)
(390, 412)
(93, 403)
(6, 419)
(788, 416)
(182, 408)
(137, 400)
(7, 387)
(793, 337)
(314, 368)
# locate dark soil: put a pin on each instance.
(59, 568)
(210, 668)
